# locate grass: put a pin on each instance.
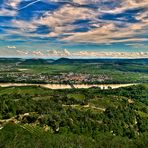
(42, 98)
(76, 96)
(32, 90)
(50, 69)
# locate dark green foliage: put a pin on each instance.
(92, 118)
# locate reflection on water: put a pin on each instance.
(66, 86)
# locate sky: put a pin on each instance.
(74, 28)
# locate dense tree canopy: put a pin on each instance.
(77, 117)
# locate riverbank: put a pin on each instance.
(67, 86)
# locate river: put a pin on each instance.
(66, 86)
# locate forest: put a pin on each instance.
(32, 116)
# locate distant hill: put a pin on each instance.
(10, 60)
(39, 61)
(119, 61)
(36, 61)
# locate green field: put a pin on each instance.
(119, 74)
(116, 75)
(116, 71)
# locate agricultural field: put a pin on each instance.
(74, 71)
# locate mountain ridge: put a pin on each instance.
(34, 61)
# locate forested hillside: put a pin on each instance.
(39, 117)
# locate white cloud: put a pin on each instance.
(126, 5)
(82, 54)
(37, 53)
(137, 45)
(59, 53)
(11, 47)
(67, 52)
(22, 52)
(12, 3)
(6, 12)
(109, 32)
(105, 32)
(60, 20)
(82, 2)
(5, 8)
(23, 26)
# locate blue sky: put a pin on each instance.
(47, 28)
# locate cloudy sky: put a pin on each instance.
(83, 28)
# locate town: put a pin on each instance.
(61, 78)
